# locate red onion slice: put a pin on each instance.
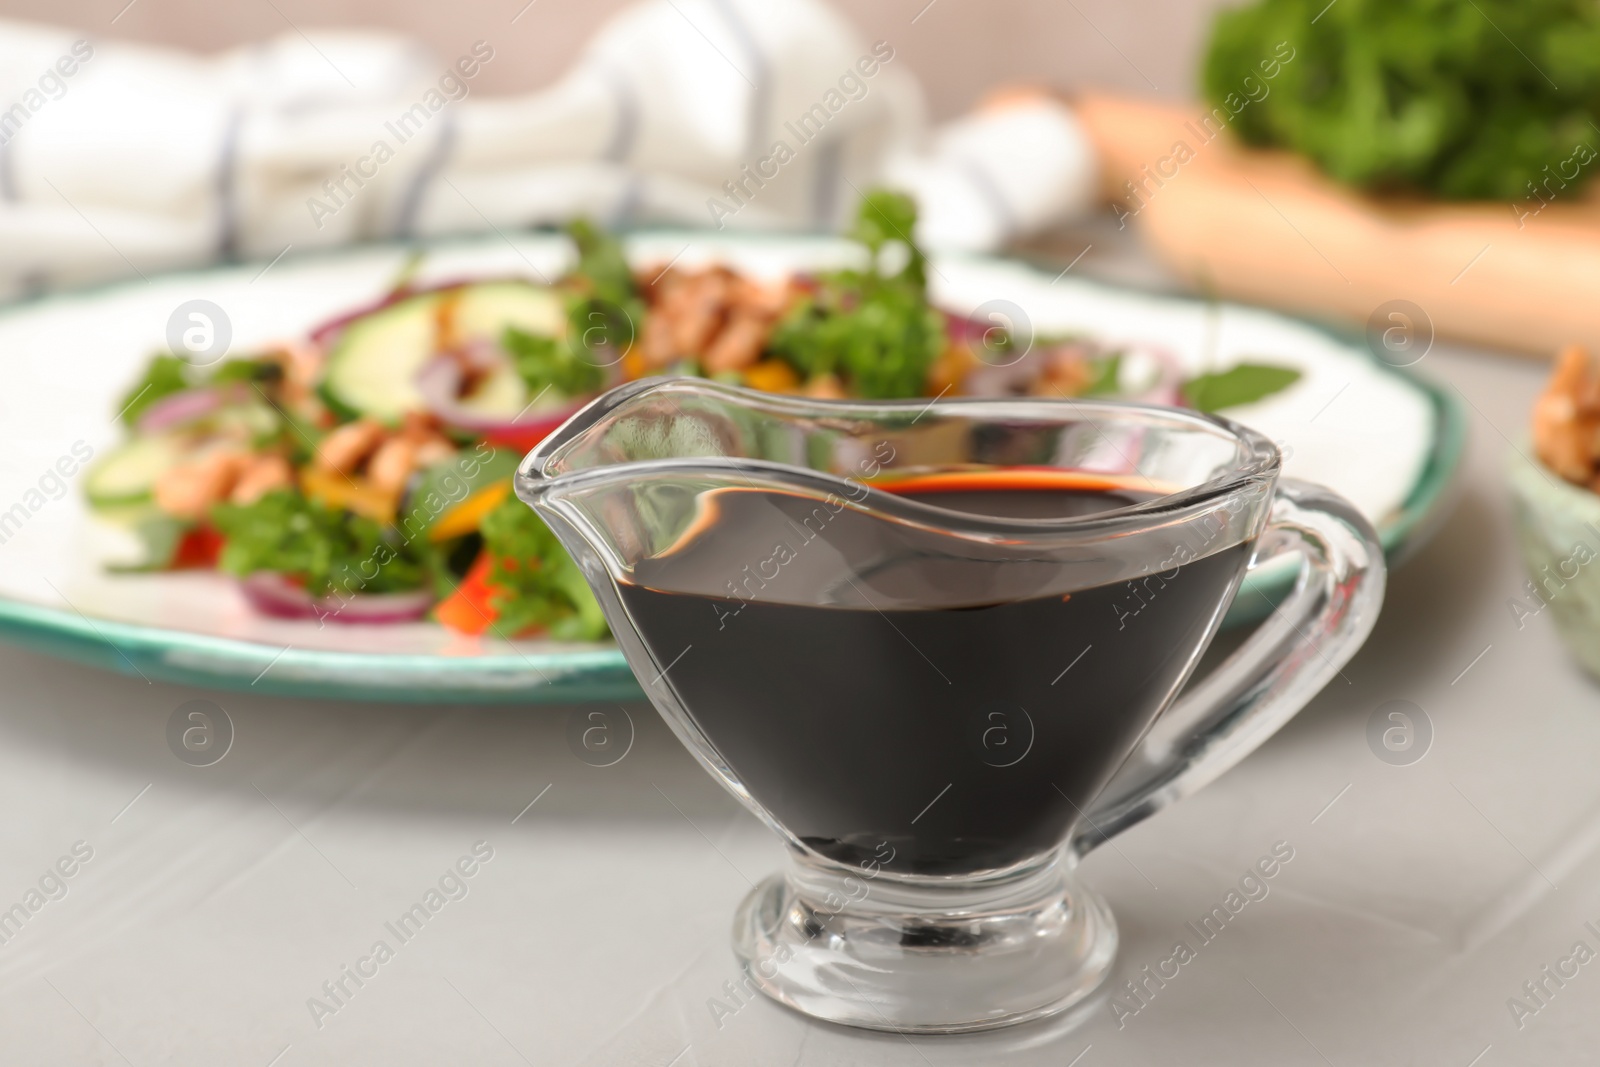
(439, 382)
(179, 408)
(273, 594)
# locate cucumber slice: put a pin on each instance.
(489, 309)
(502, 395)
(485, 312)
(159, 533)
(128, 474)
(251, 421)
(372, 368)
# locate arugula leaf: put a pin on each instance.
(537, 584)
(604, 315)
(874, 329)
(602, 266)
(296, 434)
(164, 376)
(167, 374)
(246, 370)
(330, 549)
(544, 361)
(436, 490)
(1107, 380)
(1244, 383)
(1458, 98)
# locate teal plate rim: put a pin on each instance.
(599, 675)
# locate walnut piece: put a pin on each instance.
(1566, 418)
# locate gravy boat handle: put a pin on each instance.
(1223, 717)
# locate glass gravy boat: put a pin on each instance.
(938, 648)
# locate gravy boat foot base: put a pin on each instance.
(919, 958)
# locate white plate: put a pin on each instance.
(1384, 440)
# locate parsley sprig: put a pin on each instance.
(1458, 98)
(537, 585)
(873, 328)
(329, 549)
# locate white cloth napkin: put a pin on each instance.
(119, 158)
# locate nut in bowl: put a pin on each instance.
(1557, 507)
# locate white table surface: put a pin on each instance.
(218, 900)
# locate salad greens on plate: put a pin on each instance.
(363, 473)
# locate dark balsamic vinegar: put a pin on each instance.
(890, 704)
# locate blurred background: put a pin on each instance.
(957, 50)
(1411, 176)
(1401, 144)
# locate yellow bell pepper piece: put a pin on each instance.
(467, 515)
(772, 376)
(351, 493)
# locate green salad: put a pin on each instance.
(363, 473)
(1454, 98)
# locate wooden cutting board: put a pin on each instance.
(1267, 227)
